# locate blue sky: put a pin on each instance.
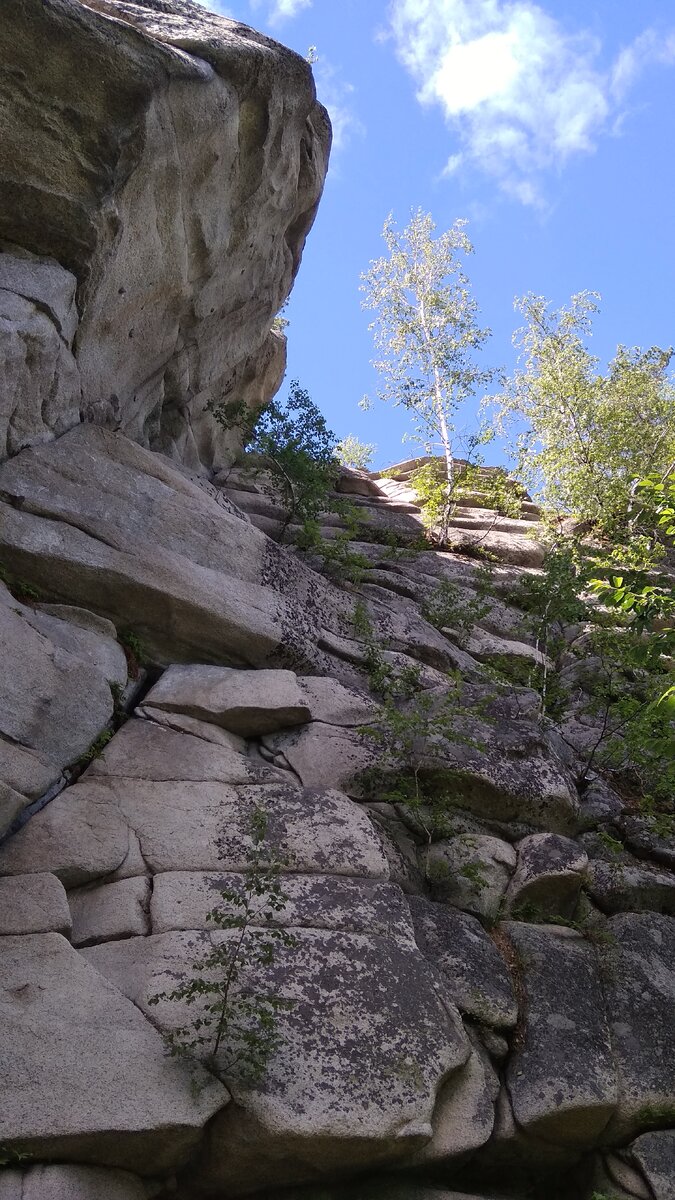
(547, 125)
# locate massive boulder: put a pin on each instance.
(162, 166)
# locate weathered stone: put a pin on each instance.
(464, 1116)
(319, 753)
(52, 703)
(113, 910)
(25, 773)
(83, 639)
(624, 1175)
(655, 1152)
(647, 842)
(182, 900)
(561, 1076)
(145, 750)
(175, 311)
(12, 804)
(106, 525)
(86, 1076)
(353, 1079)
(471, 872)
(353, 481)
(474, 972)
(70, 1183)
(250, 703)
(549, 875)
(515, 659)
(40, 392)
(640, 991)
(33, 904)
(78, 837)
(332, 703)
(637, 887)
(507, 774)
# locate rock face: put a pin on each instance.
(164, 167)
(403, 953)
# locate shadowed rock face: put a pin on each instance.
(166, 163)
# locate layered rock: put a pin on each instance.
(163, 167)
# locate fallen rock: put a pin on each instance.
(87, 1077)
(33, 904)
(562, 1075)
(145, 750)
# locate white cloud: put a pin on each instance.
(337, 95)
(282, 10)
(522, 94)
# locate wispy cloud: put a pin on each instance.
(522, 93)
(338, 96)
(281, 10)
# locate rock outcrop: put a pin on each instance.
(160, 169)
(206, 841)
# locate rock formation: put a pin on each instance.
(473, 1012)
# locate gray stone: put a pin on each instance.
(549, 875)
(324, 755)
(639, 835)
(83, 639)
(70, 1183)
(250, 703)
(86, 1076)
(110, 911)
(78, 837)
(40, 391)
(464, 1116)
(12, 804)
(182, 900)
(332, 703)
(625, 1176)
(25, 773)
(216, 121)
(471, 871)
(52, 703)
(144, 750)
(474, 972)
(106, 525)
(655, 1153)
(631, 887)
(640, 992)
(561, 1076)
(361, 1054)
(33, 904)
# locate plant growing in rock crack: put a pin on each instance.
(410, 722)
(447, 607)
(236, 1028)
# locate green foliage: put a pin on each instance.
(497, 489)
(447, 606)
(340, 562)
(584, 436)
(295, 445)
(426, 329)
(350, 452)
(134, 649)
(97, 747)
(410, 722)
(10, 1157)
(236, 1028)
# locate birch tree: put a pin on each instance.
(426, 328)
(583, 436)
